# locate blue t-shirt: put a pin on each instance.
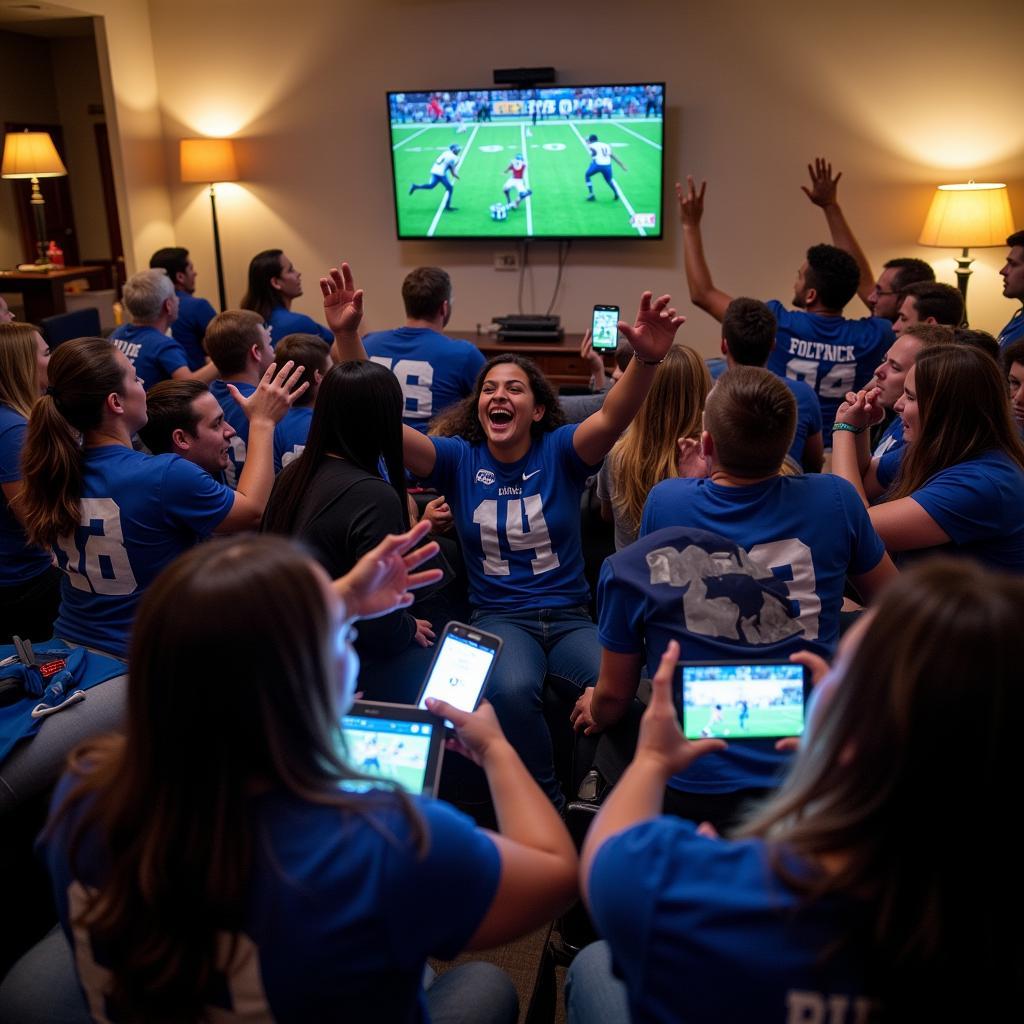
(155, 356)
(703, 931)
(434, 371)
(19, 560)
(190, 327)
(519, 522)
(978, 503)
(891, 440)
(1014, 329)
(341, 911)
(830, 353)
(284, 322)
(139, 512)
(290, 435)
(235, 415)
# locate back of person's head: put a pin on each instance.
(83, 373)
(833, 273)
(309, 352)
(424, 291)
(1017, 238)
(1013, 353)
(230, 336)
(979, 339)
(963, 413)
(623, 355)
(931, 334)
(260, 294)
(358, 416)
(646, 453)
(940, 301)
(169, 407)
(909, 270)
(145, 294)
(173, 261)
(19, 373)
(751, 417)
(748, 328)
(875, 779)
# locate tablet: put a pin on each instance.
(393, 743)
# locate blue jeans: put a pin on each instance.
(593, 995)
(557, 643)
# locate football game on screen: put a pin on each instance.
(555, 162)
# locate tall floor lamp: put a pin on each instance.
(210, 161)
(33, 155)
(968, 216)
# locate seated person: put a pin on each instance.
(307, 351)
(578, 407)
(1012, 274)
(193, 313)
(274, 284)
(435, 371)
(979, 339)
(957, 484)
(847, 897)
(239, 345)
(150, 300)
(1013, 364)
(929, 302)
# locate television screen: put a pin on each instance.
(545, 162)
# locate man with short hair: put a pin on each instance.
(307, 351)
(150, 299)
(1012, 274)
(1013, 364)
(186, 420)
(814, 343)
(929, 302)
(435, 371)
(193, 313)
(239, 345)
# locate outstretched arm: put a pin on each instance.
(343, 310)
(619, 162)
(823, 193)
(703, 292)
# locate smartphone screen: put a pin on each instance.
(461, 666)
(605, 329)
(738, 701)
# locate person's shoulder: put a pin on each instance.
(11, 419)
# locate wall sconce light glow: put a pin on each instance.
(218, 122)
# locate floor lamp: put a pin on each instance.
(969, 216)
(210, 161)
(33, 155)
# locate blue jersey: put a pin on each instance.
(1013, 331)
(830, 353)
(703, 931)
(891, 440)
(290, 435)
(519, 522)
(19, 560)
(155, 356)
(340, 910)
(977, 503)
(139, 512)
(235, 415)
(434, 371)
(283, 322)
(705, 592)
(190, 327)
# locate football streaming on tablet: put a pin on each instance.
(548, 162)
(388, 749)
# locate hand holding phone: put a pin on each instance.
(605, 328)
(461, 667)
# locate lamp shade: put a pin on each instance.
(208, 160)
(31, 155)
(968, 216)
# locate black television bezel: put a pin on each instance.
(516, 239)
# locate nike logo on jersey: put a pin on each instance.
(526, 476)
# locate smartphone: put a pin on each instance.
(461, 667)
(604, 331)
(737, 700)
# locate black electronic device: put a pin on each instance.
(524, 76)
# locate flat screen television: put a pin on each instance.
(554, 162)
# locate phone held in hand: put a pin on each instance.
(604, 330)
(461, 667)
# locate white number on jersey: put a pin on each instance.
(838, 380)
(419, 402)
(289, 457)
(805, 370)
(101, 564)
(794, 555)
(231, 473)
(534, 537)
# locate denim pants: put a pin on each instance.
(593, 995)
(556, 643)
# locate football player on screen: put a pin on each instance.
(516, 171)
(601, 157)
(443, 165)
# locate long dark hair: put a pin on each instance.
(463, 420)
(357, 415)
(918, 740)
(208, 721)
(260, 295)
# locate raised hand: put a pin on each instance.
(275, 394)
(439, 514)
(655, 328)
(823, 186)
(691, 202)
(588, 354)
(861, 409)
(343, 302)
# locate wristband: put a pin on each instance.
(648, 362)
(837, 426)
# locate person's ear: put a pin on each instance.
(707, 445)
(810, 296)
(180, 440)
(930, 320)
(114, 403)
(179, 280)
(725, 347)
(254, 353)
(275, 283)
(538, 412)
(317, 377)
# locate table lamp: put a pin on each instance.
(210, 161)
(33, 155)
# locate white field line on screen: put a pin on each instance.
(637, 135)
(409, 138)
(526, 181)
(458, 167)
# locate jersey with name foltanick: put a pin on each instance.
(519, 522)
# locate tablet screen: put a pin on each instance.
(391, 749)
